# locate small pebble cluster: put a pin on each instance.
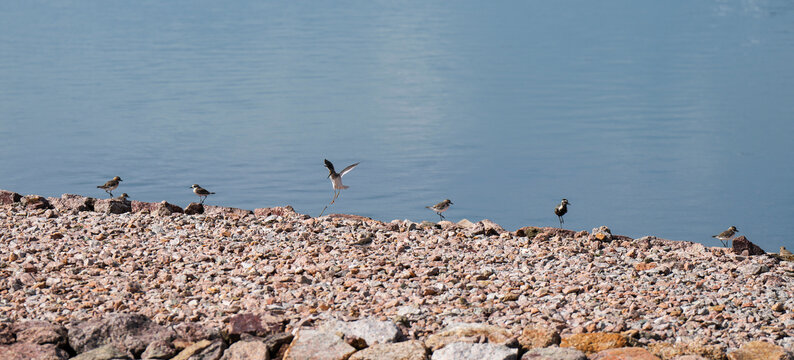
(441, 288)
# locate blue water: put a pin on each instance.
(671, 118)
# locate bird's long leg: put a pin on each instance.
(560, 218)
(201, 199)
(441, 216)
(109, 192)
(329, 204)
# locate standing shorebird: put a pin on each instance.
(440, 207)
(111, 185)
(726, 235)
(336, 180)
(561, 210)
(784, 251)
(201, 192)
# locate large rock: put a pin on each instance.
(192, 349)
(485, 227)
(283, 211)
(554, 353)
(591, 343)
(33, 202)
(193, 332)
(107, 352)
(741, 244)
(469, 333)
(194, 209)
(601, 233)
(538, 337)
(226, 211)
(670, 351)
(254, 324)
(760, 350)
(469, 351)
(72, 203)
(28, 351)
(371, 330)
(163, 208)
(112, 206)
(626, 353)
(128, 332)
(318, 345)
(247, 350)
(9, 197)
(40, 332)
(159, 349)
(406, 350)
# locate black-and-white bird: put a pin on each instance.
(561, 210)
(440, 207)
(726, 235)
(201, 192)
(111, 185)
(336, 178)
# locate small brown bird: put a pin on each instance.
(201, 192)
(784, 251)
(111, 185)
(561, 210)
(726, 235)
(441, 207)
(123, 197)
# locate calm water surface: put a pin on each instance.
(670, 118)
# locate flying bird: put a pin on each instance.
(336, 178)
(441, 207)
(111, 185)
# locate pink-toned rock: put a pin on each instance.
(29, 351)
(247, 350)
(9, 197)
(554, 353)
(72, 203)
(485, 227)
(318, 345)
(162, 208)
(283, 211)
(159, 349)
(370, 330)
(406, 350)
(760, 350)
(255, 324)
(226, 211)
(33, 202)
(590, 343)
(741, 244)
(538, 337)
(470, 333)
(194, 209)
(128, 332)
(40, 332)
(625, 353)
(349, 217)
(112, 206)
(601, 233)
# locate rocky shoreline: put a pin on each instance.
(112, 279)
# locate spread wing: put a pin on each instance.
(329, 166)
(347, 169)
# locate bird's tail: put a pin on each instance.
(428, 207)
(211, 193)
(99, 187)
(345, 187)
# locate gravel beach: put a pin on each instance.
(65, 263)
